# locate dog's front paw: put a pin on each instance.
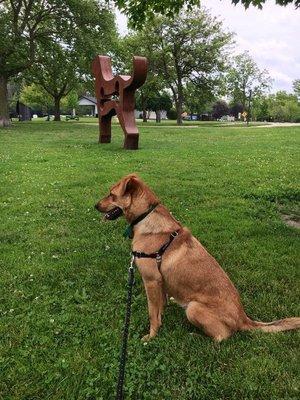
(146, 338)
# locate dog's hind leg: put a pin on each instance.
(203, 317)
(156, 301)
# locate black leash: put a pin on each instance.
(158, 256)
(120, 385)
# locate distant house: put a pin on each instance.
(89, 105)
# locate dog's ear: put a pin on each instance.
(127, 185)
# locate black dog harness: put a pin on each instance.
(158, 254)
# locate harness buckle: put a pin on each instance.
(158, 258)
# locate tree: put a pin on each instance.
(259, 3)
(27, 27)
(236, 109)
(72, 101)
(148, 92)
(40, 100)
(188, 49)
(23, 24)
(200, 94)
(135, 43)
(284, 107)
(219, 109)
(159, 102)
(296, 87)
(64, 60)
(261, 108)
(244, 77)
(139, 12)
(36, 97)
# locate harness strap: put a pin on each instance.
(158, 254)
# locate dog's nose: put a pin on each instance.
(96, 206)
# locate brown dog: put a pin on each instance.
(185, 270)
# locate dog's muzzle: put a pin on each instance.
(113, 214)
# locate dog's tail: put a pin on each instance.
(286, 324)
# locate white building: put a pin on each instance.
(90, 104)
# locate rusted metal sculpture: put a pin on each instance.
(108, 87)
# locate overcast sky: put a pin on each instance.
(271, 35)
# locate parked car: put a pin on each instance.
(227, 118)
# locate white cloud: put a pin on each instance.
(271, 35)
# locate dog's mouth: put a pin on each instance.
(113, 214)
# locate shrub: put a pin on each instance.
(172, 114)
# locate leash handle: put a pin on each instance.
(123, 354)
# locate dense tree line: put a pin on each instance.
(47, 54)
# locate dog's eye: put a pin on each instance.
(113, 196)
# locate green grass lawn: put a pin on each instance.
(64, 271)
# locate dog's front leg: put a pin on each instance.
(156, 302)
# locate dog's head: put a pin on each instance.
(130, 196)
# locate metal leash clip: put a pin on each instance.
(131, 270)
(132, 262)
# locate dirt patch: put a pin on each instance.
(291, 220)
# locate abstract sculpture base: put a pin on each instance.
(104, 139)
(131, 142)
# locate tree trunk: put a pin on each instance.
(144, 115)
(144, 109)
(158, 115)
(4, 113)
(57, 109)
(179, 102)
(179, 111)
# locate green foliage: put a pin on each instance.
(63, 269)
(153, 89)
(172, 114)
(260, 3)
(156, 101)
(219, 109)
(281, 107)
(199, 96)
(36, 97)
(190, 49)
(141, 12)
(72, 99)
(296, 87)
(284, 107)
(261, 109)
(63, 60)
(160, 101)
(236, 109)
(245, 77)
(53, 42)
